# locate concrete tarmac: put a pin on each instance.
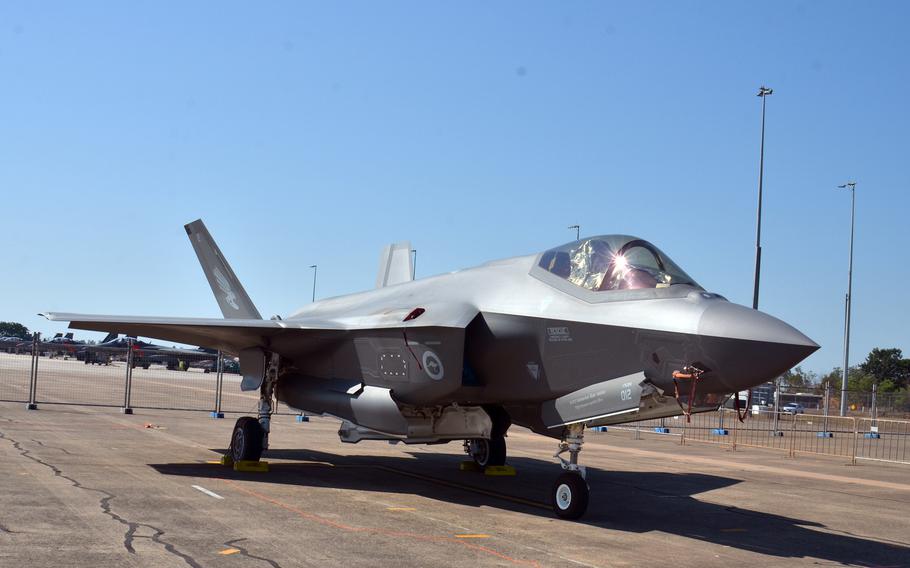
(91, 487)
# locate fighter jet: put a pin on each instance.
(599, 331)
(144, 354)
(10, 343)
(60, 345)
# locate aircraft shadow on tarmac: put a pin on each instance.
(631, 501)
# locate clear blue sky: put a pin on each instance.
(317, 133)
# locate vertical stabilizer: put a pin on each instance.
(395, 265)
(232, 298)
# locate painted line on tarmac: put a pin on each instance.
(472, 536)
(207, 492)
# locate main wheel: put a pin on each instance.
(246, 442)
(488, 452)
(570, 496)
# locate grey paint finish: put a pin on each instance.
(369, 406)
(395, 265)
(600, 400)
(728, 320)
(252, 368)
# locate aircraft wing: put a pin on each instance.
(233, 335)
(229, 335)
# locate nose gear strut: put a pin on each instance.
(574, 438)
(570, 494)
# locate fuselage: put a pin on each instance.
(503, 333)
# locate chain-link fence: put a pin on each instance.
(795, 433)
(805, 420)
(15, 374)
(815, 400)
(883, 440)
(133, 376)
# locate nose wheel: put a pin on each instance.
(571, 493)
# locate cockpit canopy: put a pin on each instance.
(613, 262)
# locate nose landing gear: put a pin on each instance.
(570, 493)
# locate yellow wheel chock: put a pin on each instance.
(253, 466)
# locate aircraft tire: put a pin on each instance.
(570, 496)
(500, 419)
(489, 452)
(246, 441)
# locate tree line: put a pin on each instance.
(887, 369)
(14, 329)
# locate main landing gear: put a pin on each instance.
(570, 491)
(491, 452)
(251, 435)
(487, 452)
(247, 440)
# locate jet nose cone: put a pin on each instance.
(746, 347)
(725, 319)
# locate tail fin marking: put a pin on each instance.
(232, 298)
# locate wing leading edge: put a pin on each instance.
(233, 335)
(230, 335)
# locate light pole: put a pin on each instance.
(314, 267)
(414, 265)
(577, 229)
(763, 92)
(851, 185)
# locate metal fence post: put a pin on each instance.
(128, 386)
(855, 439)
(33, 375)
(793, 435)
(874, 404)
(775, 423)
(219, 382)
(827, 404)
